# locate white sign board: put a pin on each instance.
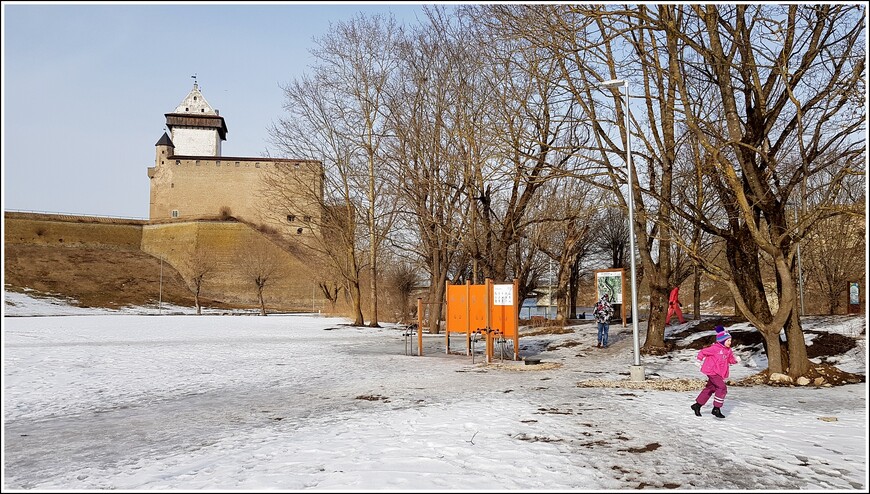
(502, 295)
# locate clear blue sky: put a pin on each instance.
(86, 87)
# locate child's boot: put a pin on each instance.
(718, 413)
(697, 408)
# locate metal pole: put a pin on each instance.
(637, 372)
(160, 299)
(634, 313)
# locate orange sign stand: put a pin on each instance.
(491, 310)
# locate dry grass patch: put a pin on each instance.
(524, 368)
(547, 330)
(654, 384)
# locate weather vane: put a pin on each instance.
(194, 79)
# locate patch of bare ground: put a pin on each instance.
(373, 398)
(519, 367)
(546, 330)
(564, 344)
(654, 384)
(819, 375)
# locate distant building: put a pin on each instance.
(191, 180)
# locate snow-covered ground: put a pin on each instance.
(133, 400)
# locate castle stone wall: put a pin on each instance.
(200, 187)
(235, 253)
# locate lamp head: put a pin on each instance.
(613, 83)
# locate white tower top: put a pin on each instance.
(195, 103)
(196, 128)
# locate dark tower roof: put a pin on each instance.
(165, 141)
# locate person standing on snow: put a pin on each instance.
(602, 313)
(675, 307)
(715, 361)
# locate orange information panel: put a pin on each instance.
(490, 309)
(457, 313)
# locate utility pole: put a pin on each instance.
(160, 299)
(550, 298)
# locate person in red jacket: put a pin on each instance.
(674, 306)
(715, 362)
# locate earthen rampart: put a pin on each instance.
(233, 250)
(71, 230)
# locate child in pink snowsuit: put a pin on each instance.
(715, 361)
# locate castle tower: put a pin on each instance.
(192, 180)
(196, 128)
(165, 149)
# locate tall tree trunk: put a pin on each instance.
(438, 273)
(696, 294)
(572, 289)
(262, 301)
(658, 303)
(352, 277)
(356, 302)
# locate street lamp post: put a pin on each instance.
(637, 372)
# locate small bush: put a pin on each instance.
(268, 230)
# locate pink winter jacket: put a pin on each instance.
(716, 359)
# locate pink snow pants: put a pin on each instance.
(715, 387)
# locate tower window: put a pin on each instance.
(299, 231)
(194, 98)
(177, 162)
(186, 109)
(175, 213)
(291, 218)
(202, 110)
(217, 163)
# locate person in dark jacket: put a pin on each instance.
(602, 313)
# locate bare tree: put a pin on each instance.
(199, 266)
(834, 255)
(569, 237)
(431, 129)
(611, 236)
(784, 77)
(259, 264)
(330, 290)
(326, 202)
(534, 123)
(588, 43)
(402, 281)
(357, 60)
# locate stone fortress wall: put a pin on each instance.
(189, 187)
